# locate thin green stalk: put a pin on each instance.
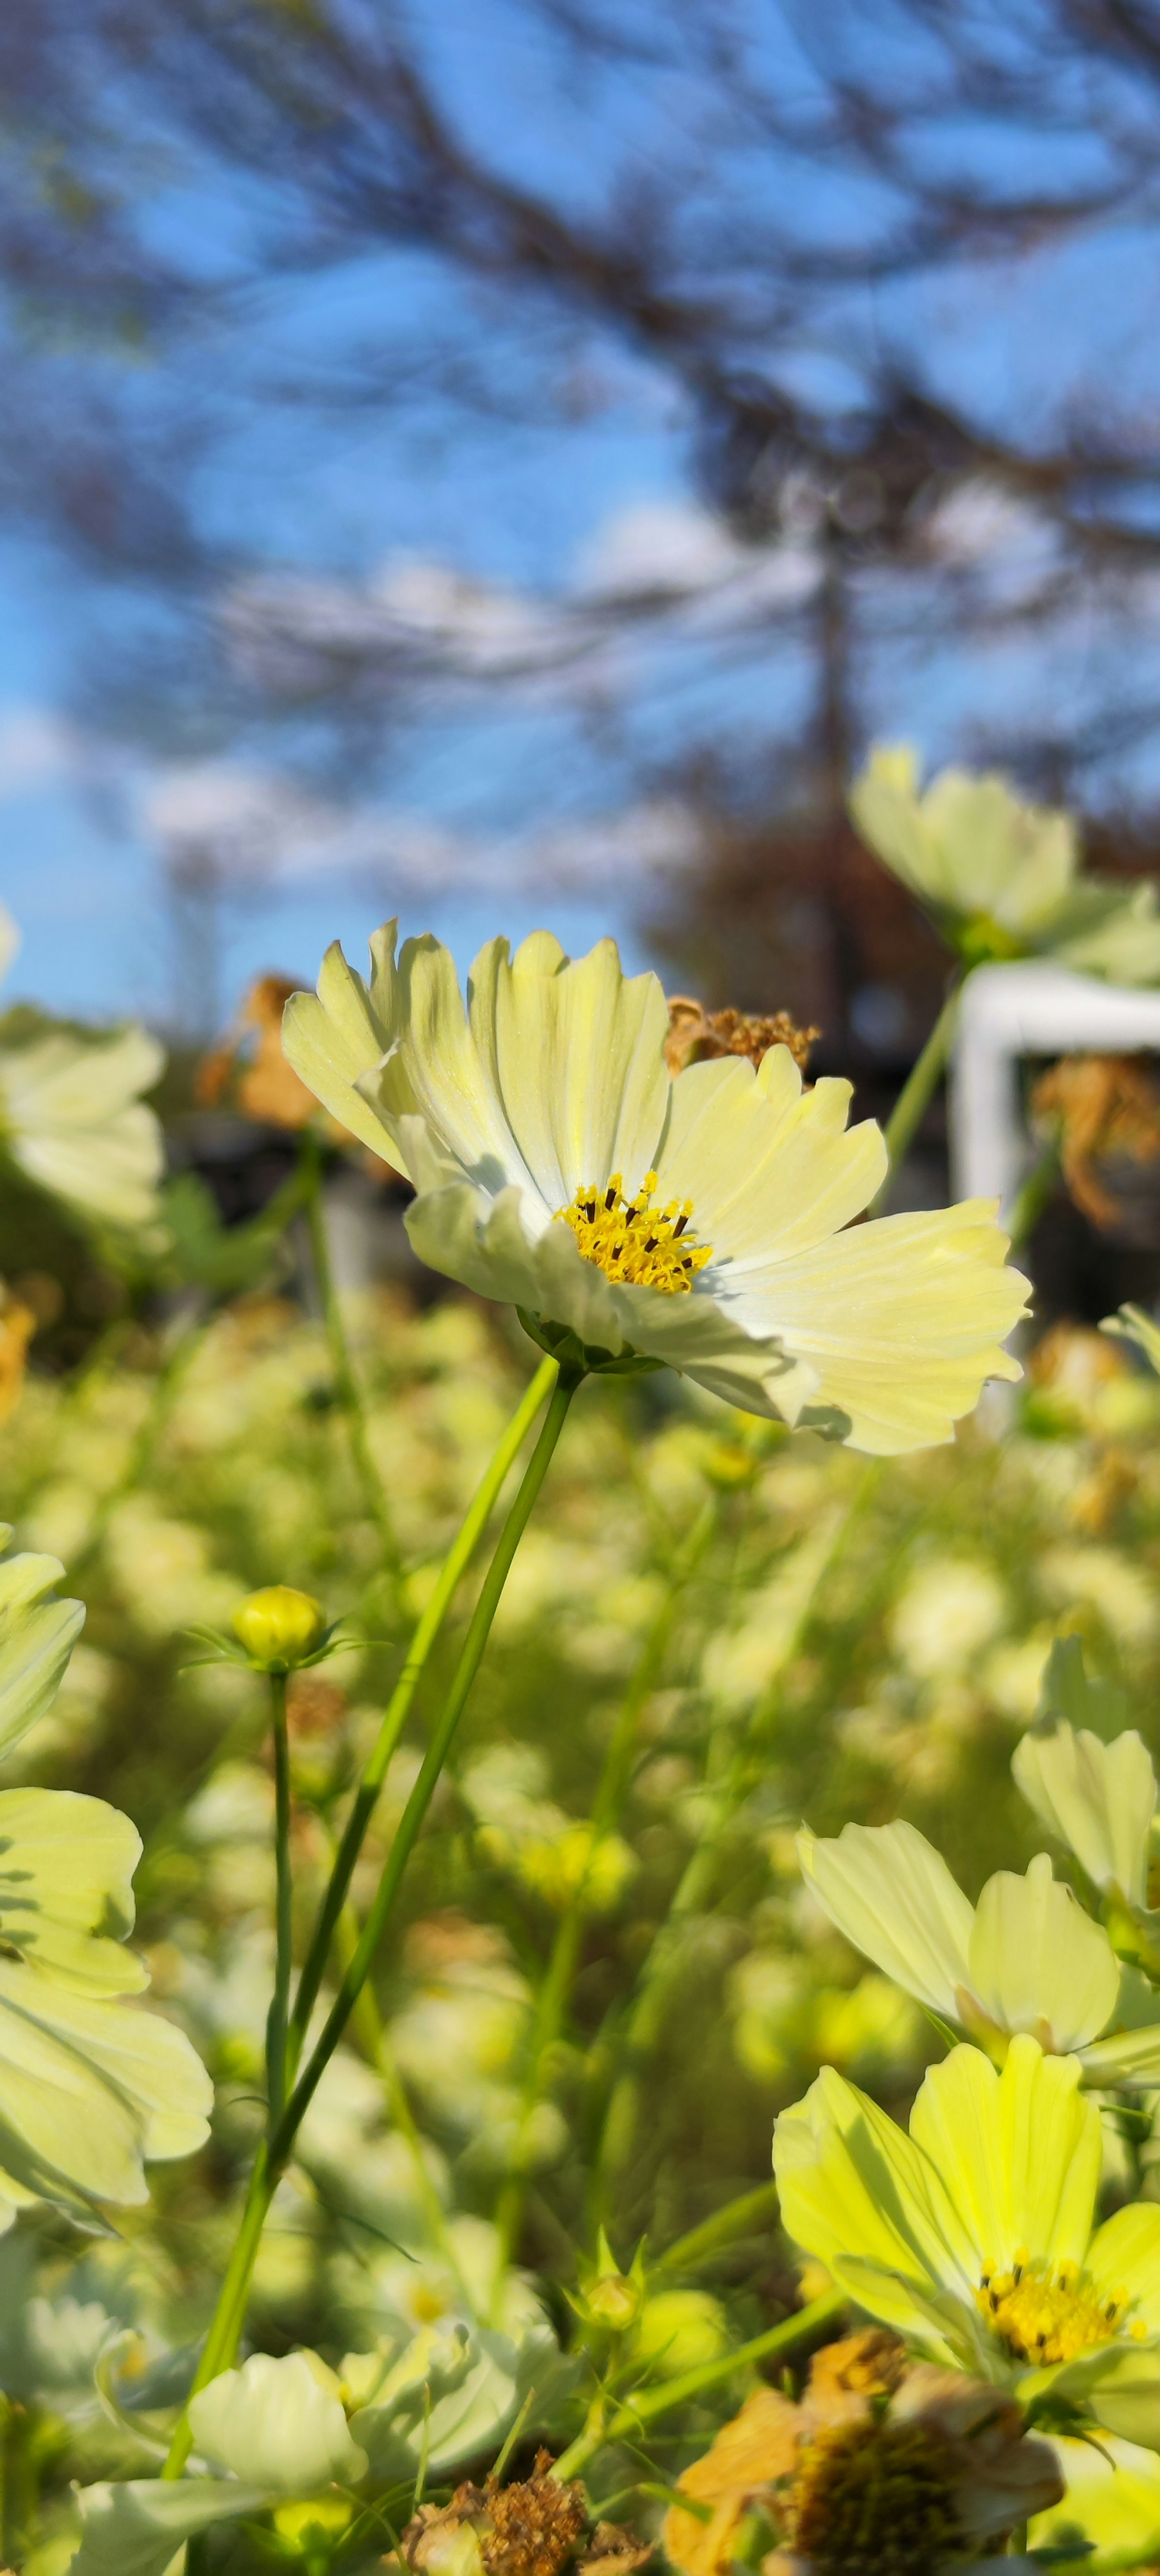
(918, 1091)
(611, 1792)
(346, 1385)
(738, 2218)
(367, 2023)
(415, 1810)
(280, 2000)
(366, 1798)
(628, 2419)
(1031, 1199)
(225, 2332)
(274, 2155)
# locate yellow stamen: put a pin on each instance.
(633, 1242)
(1046, 2318)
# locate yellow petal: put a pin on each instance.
(902, 1319)
(892, 1895)
(1018, 2153)
(342, 1033)
(1038, 1962)
(1098, 1798)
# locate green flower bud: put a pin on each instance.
(678, 2331)
(612, 2301)
(279, 1627)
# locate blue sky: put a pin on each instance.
(519, 490)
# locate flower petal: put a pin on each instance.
(66, 1881)
(1039, 1963)
(344, 1031)
(73, 1122)
(902, 1319)
(1125, 2255)
(576, 1052)
(1112, 2500)
(852, 2184)
(771, 1169)
(136, 2527)
(1098, 1798)
(89, 2088)
(1018, 2152)
(279, 2424)
(892, 1895)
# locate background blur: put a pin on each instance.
(504, 461)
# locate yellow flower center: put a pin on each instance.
(1045, 2317)
(630, 1240)
(870, 2497)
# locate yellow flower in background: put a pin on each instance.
(73, 1120)
(1001, 878)
(17, 1326)
(702, 1223)
(1133, 1325)
(89, 2087)
(1026, 1958)
(974, 2236)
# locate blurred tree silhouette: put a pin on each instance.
(800, 223)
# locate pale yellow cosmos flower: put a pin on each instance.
(73, 1120)
(1001, 878)
(974, 2237)
(702, 1222)
(1026, 1958)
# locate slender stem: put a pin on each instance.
(611, 1792)
(415, 1810)
(366, 2021)
(346, 1385)
(273, 2156)
(225, 2332)
(454, 1566)
(1031, 1198)
(738, 2218)
(676, 2392)
(280, 2000)
(918, 1090)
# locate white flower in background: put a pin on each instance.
(948, 1610)
(37, 1636)
(1097, 1798)
(89, 2087)
(278, 2431)
(702, 1223)
(1026, 1958)
(72, 1117)
(1131, 1324)
(1001, 878)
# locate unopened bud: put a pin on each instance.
(279, 1627)
(679, 2330)
(613, 2301)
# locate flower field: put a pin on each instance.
(685, 1687)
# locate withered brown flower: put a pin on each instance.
(1097, 1105)
(530, 2528)
(880, 2464)
(696, 1034)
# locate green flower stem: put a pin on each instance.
(274, 2155)
(355, 1974)
(1030, 1201)
(738, 2218)
(225, 2332)
(735, 1773)
(628, 2419)
(346, 1385)
(918, 1091)
(454, 1566)
(280, 2000)
(612, 1789)
(367, 2024)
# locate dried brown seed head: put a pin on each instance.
(696, 1035)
